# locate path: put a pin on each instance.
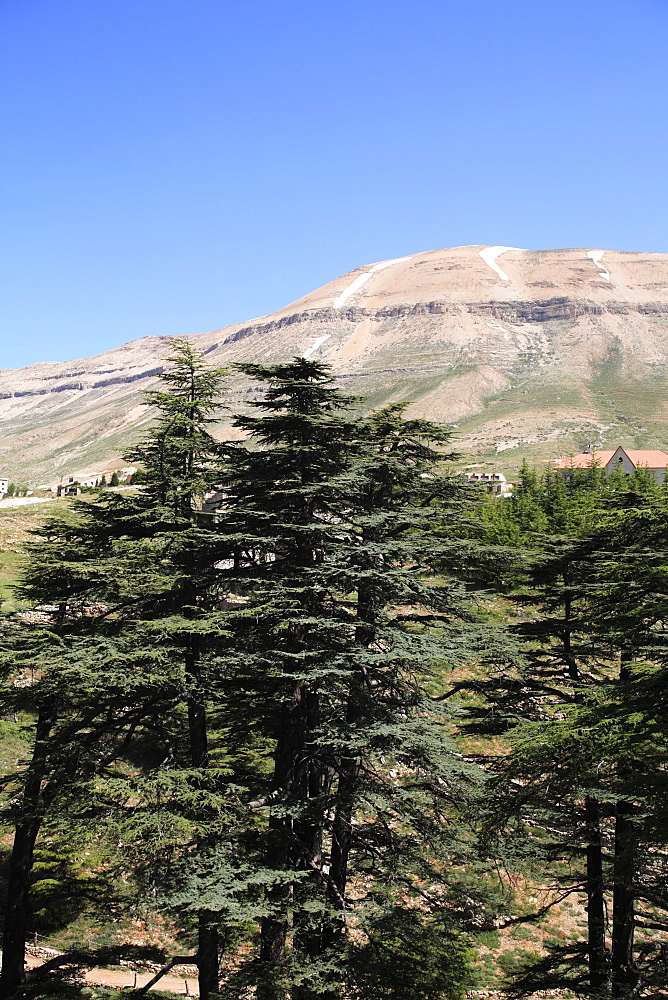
(120, 978)
(22, 501)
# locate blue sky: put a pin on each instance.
(172, 166)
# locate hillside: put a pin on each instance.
(529, 353)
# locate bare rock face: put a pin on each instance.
(529, 353)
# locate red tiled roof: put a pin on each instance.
(651, 459)
(586, 460)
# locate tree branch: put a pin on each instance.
(177, 960)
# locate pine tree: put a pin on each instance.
(178, 457)
(628, 613)
(332, 527)
(74, 682)
(280, 650)
(131, 577)
(572, 675)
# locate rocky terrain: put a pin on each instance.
(528, 353)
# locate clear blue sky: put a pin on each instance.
(171, 166)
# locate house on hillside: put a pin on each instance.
(494, 482)
(4, 486)
(651, 460)
(73, 487)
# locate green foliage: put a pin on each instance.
(59, 988)
(334, 524)
(171, 453)
(410, 957)
(579, 795)
(564, 968)
(246, 713)
(568, 502)
(63, 885)
(490, 939)
(522, 933)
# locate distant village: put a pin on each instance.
(654, 461)
(70, 486)
(74, 485)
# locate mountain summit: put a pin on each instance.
(537, 353)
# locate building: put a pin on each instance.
(494, 482)
(73, 487)
(4, 486)
(652, 460)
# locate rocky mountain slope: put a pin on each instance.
(528, 353)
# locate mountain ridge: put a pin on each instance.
(531, 352)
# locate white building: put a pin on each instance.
(4, 486)
(73, 486)
(494, 482)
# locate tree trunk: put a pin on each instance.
(21, 861)
(279, 857)
(624, 977)
(598, 959)
(17, 909)
(207, 951)
(312, 784)
(623, 917)
(342, 828)
(207, 957)
(348, 781)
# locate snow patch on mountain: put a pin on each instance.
(361, 279)
(489, 255)
(321, 340)
(596, 257)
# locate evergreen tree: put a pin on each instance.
(332, 526)
(557, 774)
(279, 652)
(178, 457)
(134, 576)
(627, 613)
(74, 683)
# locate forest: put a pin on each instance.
(336, 734)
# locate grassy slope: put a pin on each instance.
(16, 523)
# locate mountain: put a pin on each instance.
(529, 353)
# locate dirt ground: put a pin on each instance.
(126, 977)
